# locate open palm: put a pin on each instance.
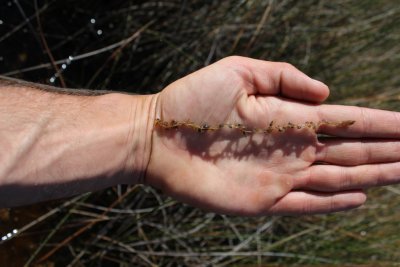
(264, 173)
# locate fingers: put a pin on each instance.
(299, 202)
(350, 152)
(330, 178)
(276, 78)
(369, 122)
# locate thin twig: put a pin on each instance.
(46, 47)
(83, 229)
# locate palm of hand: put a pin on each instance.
(258, 174)
(231, 173)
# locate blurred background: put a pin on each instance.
(142, 46)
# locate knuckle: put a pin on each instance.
(233, 58)
(287, 66)
(307, 206)
(367, 152)
(365, 120)
(333, 204)
(346, 179)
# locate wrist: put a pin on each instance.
(138, 111)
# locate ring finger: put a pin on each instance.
(351, 152)
(332, 178)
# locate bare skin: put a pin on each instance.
(88, 143)
(268, 174)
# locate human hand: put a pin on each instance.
(290, 172)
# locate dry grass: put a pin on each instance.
(145, 45)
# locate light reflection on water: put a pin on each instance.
(9, 235)
(16, 245)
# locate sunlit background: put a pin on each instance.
(142, 46)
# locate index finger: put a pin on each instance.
(374, 123)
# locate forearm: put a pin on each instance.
(58, 144)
